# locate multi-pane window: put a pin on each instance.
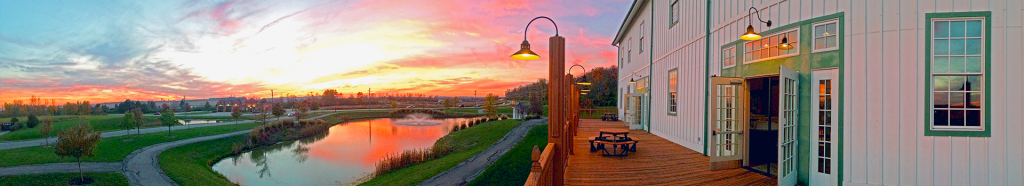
(629, 51)
(768, 47)
(641, 38)
(673, 85)
(826, 36)
(825, 126)
(729, 57)
(957, 74)
(673, 13)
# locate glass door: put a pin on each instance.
(728, 119)
(788, 117)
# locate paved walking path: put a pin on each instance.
(60, 167)
(142, 167)
(468, 170)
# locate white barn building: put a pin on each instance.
(909, 92)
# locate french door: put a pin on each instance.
(728, 119)
(788, 117)
(824, 134)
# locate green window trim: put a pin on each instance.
(673, 14)
(987, 107)
(674, 71)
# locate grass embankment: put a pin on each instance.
(99, 123)
(101, 178)
(501, 110)
(112, 149)
(467, 142)
(514, 167)
(192, 164)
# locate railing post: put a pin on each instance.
(535, 156)
(556, 108)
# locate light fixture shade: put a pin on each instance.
(750, 35)
(583, 93)
(784, 45)
(631, 80)
(583, 81)
(524, 52)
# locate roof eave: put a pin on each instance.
(628, 20)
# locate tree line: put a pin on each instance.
(603, 89)
(43, 107)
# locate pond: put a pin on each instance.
(347, 152)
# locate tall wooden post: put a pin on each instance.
(556, 111)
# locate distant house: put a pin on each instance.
(246, 104)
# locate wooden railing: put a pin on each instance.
(541, 171)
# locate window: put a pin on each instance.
(767, 47)
(826, 36)
(673, 14)
(957, 69)
(673, 77)
(729, 57)
(957, 76)
(629, 51)
(641, 38)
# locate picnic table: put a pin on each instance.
(611, 136)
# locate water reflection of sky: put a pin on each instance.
(347, 152)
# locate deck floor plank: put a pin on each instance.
(657, 161)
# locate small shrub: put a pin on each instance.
(32, 121)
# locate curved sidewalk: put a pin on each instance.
(471, 168)
(142, 167)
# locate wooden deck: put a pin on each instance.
(657, 161)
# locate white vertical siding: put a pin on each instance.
(884, 93)
(884, 142)
(679, 47)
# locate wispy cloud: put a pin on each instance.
(111, 51)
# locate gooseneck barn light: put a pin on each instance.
(751, 35)
(524, 52)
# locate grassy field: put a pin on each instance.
(111, 149)
(99, 123)
(469, 142)
(513, 167)
(191, 164)
(101, 179)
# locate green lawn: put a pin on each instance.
(469, 142)
(99, 123)
(111, 149)
(101, 178)
(514, 167)
(192, 164)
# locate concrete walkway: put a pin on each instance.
(60, 167)
(468, 170)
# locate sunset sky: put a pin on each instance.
(108, 51)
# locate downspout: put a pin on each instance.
(707, 63)
(650, 69)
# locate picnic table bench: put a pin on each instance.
(609, 116)
(611, 137)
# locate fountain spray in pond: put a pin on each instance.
(417, 119)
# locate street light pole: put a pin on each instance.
(556, 97)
